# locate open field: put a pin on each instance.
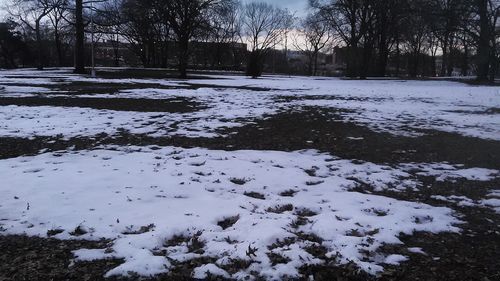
(134, 176)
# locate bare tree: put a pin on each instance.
(488, 12)
(56, 17)
(352, 21)
(79, 38)
(414, 39)
(263, 26)
(187, 18)
(31, 13)
(313, 36)
(225, 26)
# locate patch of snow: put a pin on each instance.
(202, 272)
(492, 201)
(447, 172)
(395, 259)
(459, 200)
(144, 197)
(398, 107)
(416, 250)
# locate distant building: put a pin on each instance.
(202, 55)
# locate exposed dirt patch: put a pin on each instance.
(88, 88)
(294, 130)
(315, 129)
(228, 222)
(31, 258)
(111, 88)
(280, 208)
(138, 73)
(176, 104)
(491, 110)
(472, 255)
(255, 195)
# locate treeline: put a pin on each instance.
(374, 37)
(375, 31)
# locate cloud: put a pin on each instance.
(299, 6)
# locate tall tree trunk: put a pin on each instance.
(444, 61)
(183, 57)
(494, 65)
(254, 67)
(39, 45)
(465, 60)
(79, 42)
(366, 56)
(398, 55)
(433, 65)
(483, 51)
(116, 52)
(449, 66)
(315, 69)
(57, 39)
(383, 47)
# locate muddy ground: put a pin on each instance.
(177, 104)
(309, 128)
(472, 255)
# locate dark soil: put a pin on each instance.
(88, 88)
(139, 73)
(472, 255)
(94, 88)
(294, 130)
(32, 258)
(177, 104)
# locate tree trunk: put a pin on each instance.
(315, 67)
(116, 51)
(383, 44)
(57, 39)
(398, 56)
(39, 45)
(254, 67)
(444, 61)
(465, 60)
(449, 66)
(494, 66)
(310, 63)
(79, 42)
(365, 65)
(483, 51)
(433, 66)
(352, 61)
(183, 57)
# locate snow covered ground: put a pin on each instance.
(398, 107)
(110, 193)
(162, 205)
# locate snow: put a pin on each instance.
(492, 201)
(163, 205)
(448, 172)
(416, 250)
(112, 192)
(395, 259)
(201, 271)
(459, 200)
(223, 108)
(399, 107)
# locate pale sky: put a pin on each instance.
(298, 6)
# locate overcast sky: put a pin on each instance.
(298, 6)
(293, 5)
